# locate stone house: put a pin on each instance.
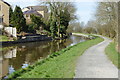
(4, 12)
(41, 11)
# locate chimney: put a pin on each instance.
(31, 8)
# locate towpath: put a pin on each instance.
(95, 64)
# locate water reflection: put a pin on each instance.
(25, 65)
(22, 55)
(11, 69)
(76, 39)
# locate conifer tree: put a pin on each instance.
(10, 16)
(18, 20)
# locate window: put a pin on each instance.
(1, 20)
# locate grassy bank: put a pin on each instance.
(6, 48)
(58, 65)
(113, 54)
(4, 38)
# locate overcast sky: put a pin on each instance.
(85, 10)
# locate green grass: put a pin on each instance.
(113, 54)
(4, 38)
(58, 65)
(5, 48)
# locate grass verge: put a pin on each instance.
(113, 54)
(4, 38)
(58, 65)
(5, 48)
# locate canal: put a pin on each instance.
(21, 55)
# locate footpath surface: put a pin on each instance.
(95, 64)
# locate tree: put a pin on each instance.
(75, 27)
(63, 13)
(18, 20)
(64, 22)
(53, 28)
(37, 21)
(10, 16)
(107, 18)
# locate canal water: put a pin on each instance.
(24, 54)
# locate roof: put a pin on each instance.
(32, 12)
(5, 2)
(38, 8)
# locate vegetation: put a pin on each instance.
(30, 28)
(5, 48)
(75, 27)
(57, 24)
(58, 65)
(53, 28)
(60, 16)
(10, 16)
(17, 19)
(108, 19)
(4, 38)
(105, 22)
(113, 54)
(37, 21)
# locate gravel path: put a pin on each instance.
(95, 64)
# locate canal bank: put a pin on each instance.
(18, 56)
(26, 39)
(58, 65)
(31, 38)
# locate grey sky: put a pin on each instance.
(85, 10)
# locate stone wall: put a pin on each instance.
(5, 11)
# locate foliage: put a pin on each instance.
(75, 27)
(64, 21)
(106, 17)
(31, 28)
(37, 21)
(4, 38)
(10, 16)
(90, 30)
(63, 13)
(18, 20)
(105, 22)
(57, 24)
(53, 28)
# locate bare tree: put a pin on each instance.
(106, 16)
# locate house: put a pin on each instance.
(36, 10)
(4, 12)
(4, 19)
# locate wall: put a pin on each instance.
(12, 31)
(1, 26)
(42, 13)
(4, 9)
